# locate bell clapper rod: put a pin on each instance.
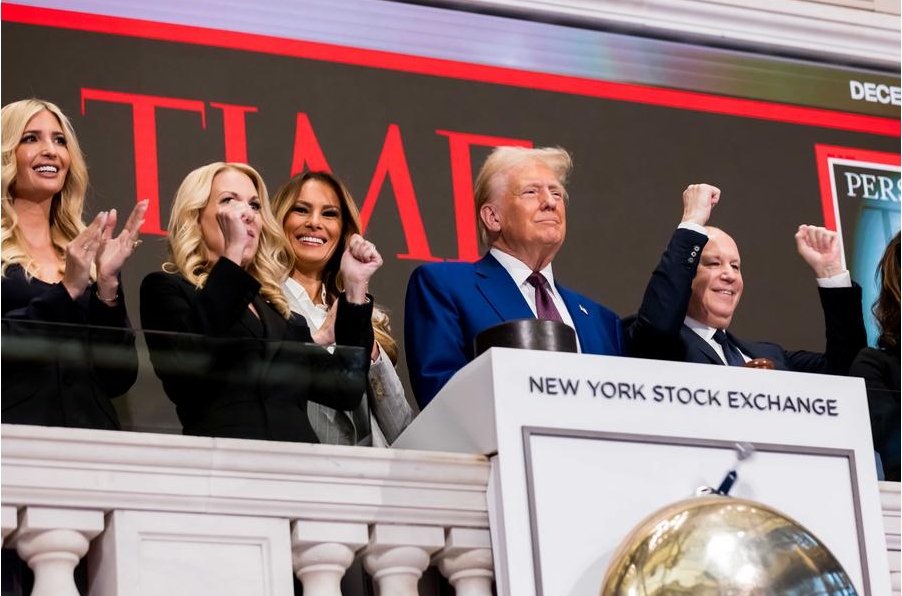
(743, 452)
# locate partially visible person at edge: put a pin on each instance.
(68, 346)
(880, 366)
(239, 364)
(521, 210)
(320, 219)
(692, 297)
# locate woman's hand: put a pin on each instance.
(113, 252)
(325, 335)
(80, 253)
(232, 218)
(358, 264)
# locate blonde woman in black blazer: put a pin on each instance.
(68, 347)
(237, 365)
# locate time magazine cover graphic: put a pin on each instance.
(860, 193)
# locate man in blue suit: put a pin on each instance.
(693, 294)
(521, 202)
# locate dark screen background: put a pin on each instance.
(632, 162)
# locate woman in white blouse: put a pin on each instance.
(320, 218)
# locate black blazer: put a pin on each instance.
(64, 360)
(880, 370)
(231, 374)
(658, 330)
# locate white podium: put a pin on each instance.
(584, 447)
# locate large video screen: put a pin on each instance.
(151, 101)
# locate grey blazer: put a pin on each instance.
(387, 414)
(380, 417)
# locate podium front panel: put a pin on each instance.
(588, 446)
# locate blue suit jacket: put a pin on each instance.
(448, 304)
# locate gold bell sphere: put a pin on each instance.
(723, 546)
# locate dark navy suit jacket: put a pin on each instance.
(448, 304)
(658, 330)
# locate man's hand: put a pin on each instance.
(819, 247)
(698, 201)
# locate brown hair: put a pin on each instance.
(886, 307)
(282, 202)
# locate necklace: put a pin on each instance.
(323, 305)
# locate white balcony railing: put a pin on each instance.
(166, 514)
(190, 515)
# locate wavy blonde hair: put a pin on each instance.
(282, 202)
(66, 206)
(188, 254)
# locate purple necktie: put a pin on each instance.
(545, 308)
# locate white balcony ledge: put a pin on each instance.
(122, 470)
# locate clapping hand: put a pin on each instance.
(96, 246)
(80, 255)
(113, 252)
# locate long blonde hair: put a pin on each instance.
(282, 202)
(188, 254)
(67, 205)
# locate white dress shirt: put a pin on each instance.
(299, 302)
(707, 333)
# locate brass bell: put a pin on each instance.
(717, 545)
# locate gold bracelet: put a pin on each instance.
(106, 300)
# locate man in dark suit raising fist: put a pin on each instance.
(693, 293)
